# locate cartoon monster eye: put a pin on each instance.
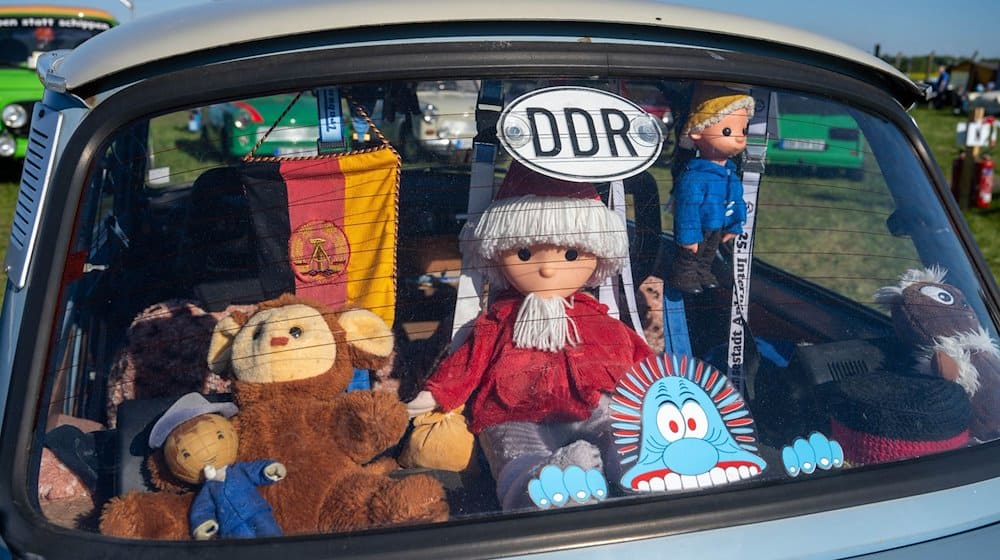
(572, 254)
(220, 435)
(746, 130)
(695, 419)
(727, 131)
(295, 332)
(938, 294)
(185, 454)
(670, 422)
(524, 254)
(258, 331)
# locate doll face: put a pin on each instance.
(725, 138)
(547, 270)
(208, 439)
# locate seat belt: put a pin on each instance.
(676, 339)
(610, 291)
(753, 171)
(484, 153)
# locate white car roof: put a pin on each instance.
(231, 22)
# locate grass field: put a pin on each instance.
(938, 128)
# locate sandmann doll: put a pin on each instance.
(708, 195)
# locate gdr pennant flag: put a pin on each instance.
(326, 226)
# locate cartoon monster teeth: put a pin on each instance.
(715, 477)
(684, 426)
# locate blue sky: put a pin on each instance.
(913, 27)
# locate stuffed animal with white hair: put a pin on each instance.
(934, 319)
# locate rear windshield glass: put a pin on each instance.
(362, 306)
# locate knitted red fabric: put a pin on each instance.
(862, 448)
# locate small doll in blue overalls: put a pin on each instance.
(199, 446)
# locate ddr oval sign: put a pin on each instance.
(580, 134)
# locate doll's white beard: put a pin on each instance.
(542, 323)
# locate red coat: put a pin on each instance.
(533, 385)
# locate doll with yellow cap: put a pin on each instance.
(708, 196)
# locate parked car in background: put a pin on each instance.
(447, 121)
(834, 394)
(816, 138)
(237, 127)
(651, 98)
(988, 100)
(26, 32)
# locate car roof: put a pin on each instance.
(224, 23)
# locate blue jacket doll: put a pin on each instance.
(199, 447)
(708, 197)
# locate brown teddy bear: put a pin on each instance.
(291, 361)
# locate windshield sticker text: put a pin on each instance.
(70, 23)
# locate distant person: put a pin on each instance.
(941, 93)
(941, 85)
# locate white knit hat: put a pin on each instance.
(535, 209)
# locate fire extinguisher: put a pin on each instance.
(985, 182)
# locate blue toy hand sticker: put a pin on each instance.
(555, 487)
(684, 426)
(805, 455)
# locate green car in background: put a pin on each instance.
(818, 137)
(285, 125)
(26, 32)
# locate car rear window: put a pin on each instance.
(319, 272)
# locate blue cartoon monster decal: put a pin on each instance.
(682, 426)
